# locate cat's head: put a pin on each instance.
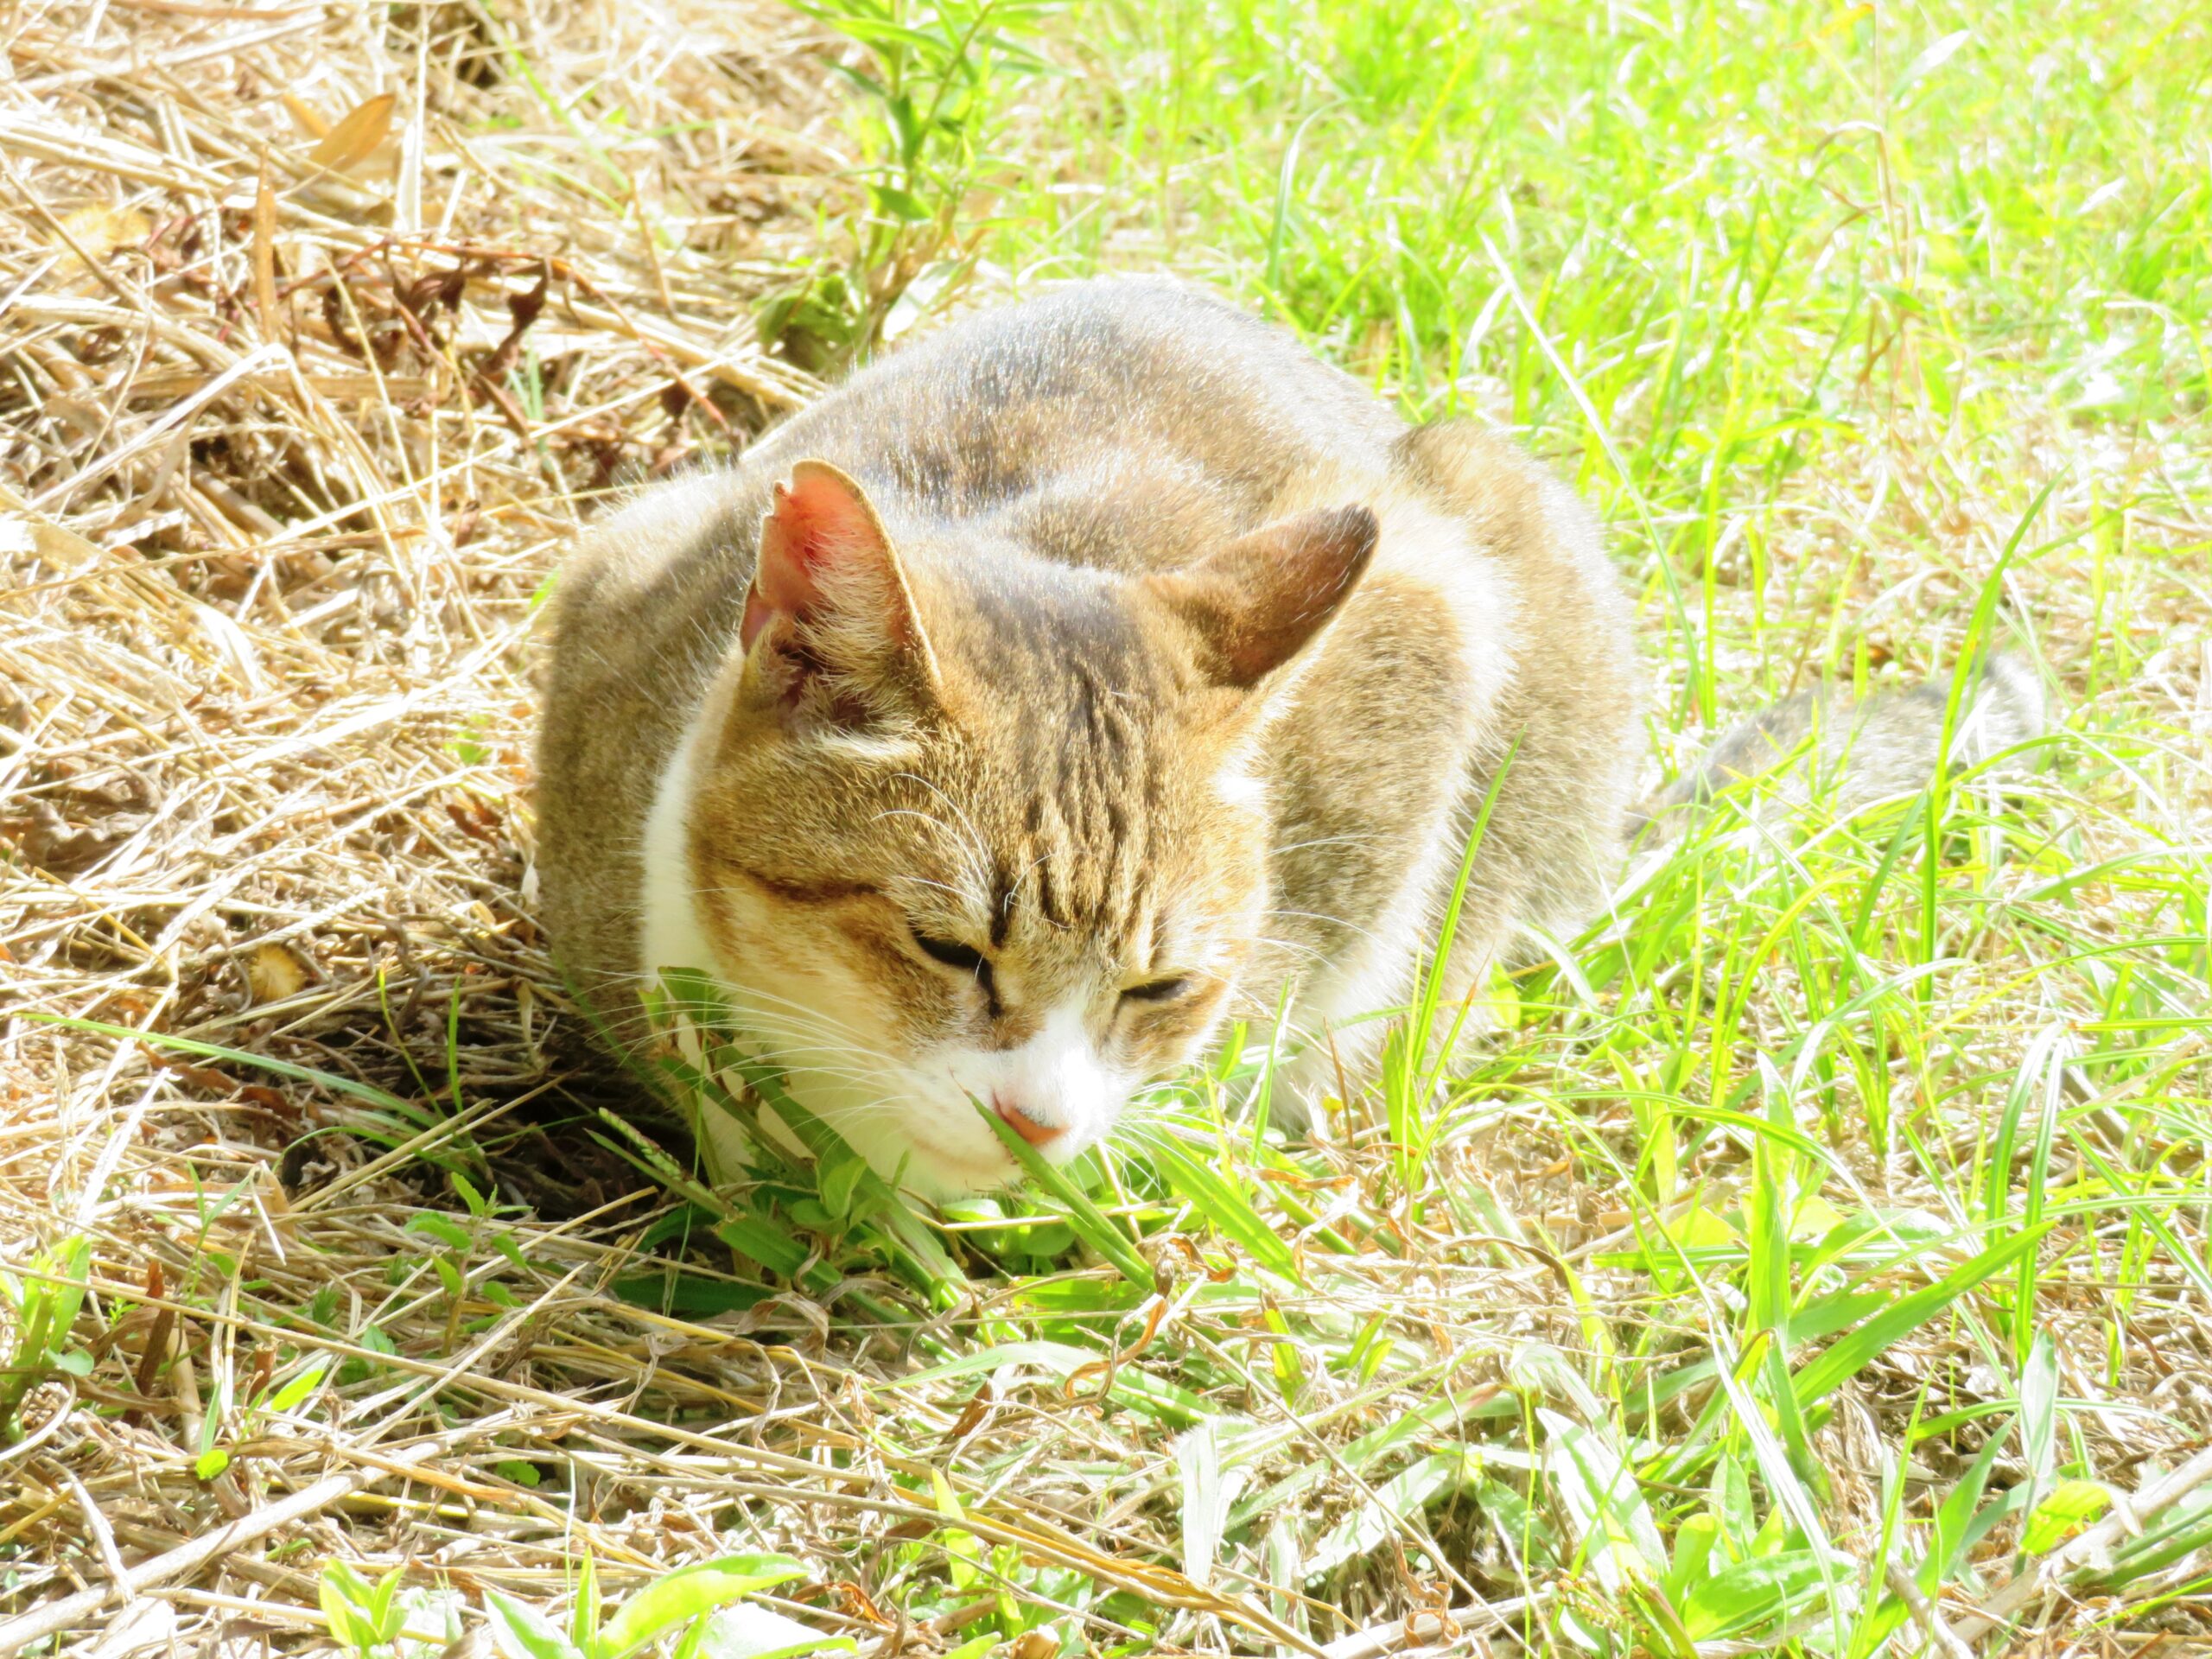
(968, 826)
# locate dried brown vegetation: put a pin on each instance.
(320, 327)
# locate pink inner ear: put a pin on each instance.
(819, 522)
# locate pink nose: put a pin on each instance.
(1035, 1132)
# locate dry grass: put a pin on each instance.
(319, 329)
(300, 401)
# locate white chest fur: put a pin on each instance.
(669, 934)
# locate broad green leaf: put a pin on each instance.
(689, 1592)
(300, 1387)
(444, 1229)
(1816, 1218)
(1746, 1595)
(1220, 1203)
(584, 1609)
(520, 1633)
(898, 204)
(72, 1265)
(1846, 1357)
(959, 1545)
(344, 1596)
(750, 1632)
(478, 1204)
(384, 1614)
(2071, 1506)
(750, 1237)
(1700, 1229)
(837, 1177)
(1731, 1499)
(1693, 1542)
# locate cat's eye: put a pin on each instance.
(951, 953)
(1159, 990)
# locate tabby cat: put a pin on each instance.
(1099, 670)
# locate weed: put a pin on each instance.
(933, 96)
(42, 1305)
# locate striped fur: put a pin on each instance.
(1137, 654)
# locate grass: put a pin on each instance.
(1815, 1261)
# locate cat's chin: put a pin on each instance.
(936, 1154)
(940, 1179)
(922, 1145)
(924, 1167)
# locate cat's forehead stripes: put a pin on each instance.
(1078, 862)
(1067, 731)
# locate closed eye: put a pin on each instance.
(1159, 990)
(952, 954)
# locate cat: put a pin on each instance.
(1099, 670)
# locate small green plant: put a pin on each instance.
(931, 111)
(387, 1619)
(44, 1303)
(384, 1620)
(271, 1399)
(703, 1602)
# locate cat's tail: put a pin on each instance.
(1854, 750)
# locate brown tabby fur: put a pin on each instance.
(1039, 725)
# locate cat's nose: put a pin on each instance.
(1034, 1130)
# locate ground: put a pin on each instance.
(1814, 1259)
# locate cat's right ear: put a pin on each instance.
(831, 633)
(1250, 608)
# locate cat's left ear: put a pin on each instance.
(1251, 607)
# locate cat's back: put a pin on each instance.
(1136, 387)
(1143, 366)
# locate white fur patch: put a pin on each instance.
(1237, 787)
(671, 935)
(1056, 1079)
